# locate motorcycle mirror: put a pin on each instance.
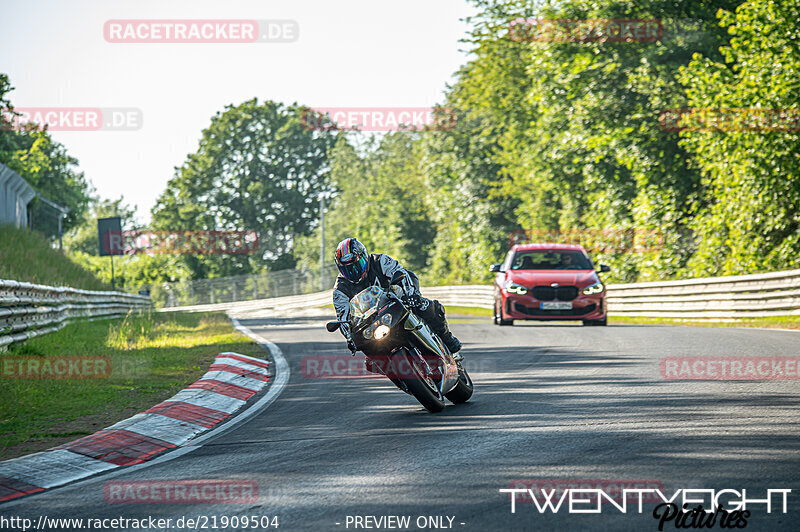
(332, 325)
(397, 277)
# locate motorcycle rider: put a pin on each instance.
(360, 270)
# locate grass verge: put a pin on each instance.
(28, 256)
(774, 322)
(152, 355)
(468, 311)
(454, 309)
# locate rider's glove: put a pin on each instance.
(352, 347)
(413, 300)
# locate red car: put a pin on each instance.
(548, 282)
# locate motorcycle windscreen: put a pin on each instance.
(365, 303)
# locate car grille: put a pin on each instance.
(535, 311)
(549, 293)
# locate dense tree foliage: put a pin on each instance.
(554, 133)
(749, 217)
(45, 165)
(381, 198)
(260, 168)
(568, 134)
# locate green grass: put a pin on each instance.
(468, 311)
(454, 309)
(775, 322)
(28, 256)
(152, 355)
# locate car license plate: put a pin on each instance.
(556, 305)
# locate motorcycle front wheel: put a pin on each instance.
(419, 385)
(463, 390)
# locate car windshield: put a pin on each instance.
(365, 303)
(550, 260)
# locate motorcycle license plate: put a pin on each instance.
(556, 305)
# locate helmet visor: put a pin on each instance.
(353, 266)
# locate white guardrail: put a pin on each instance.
(737, 296)
(29, 310)
(740, 296)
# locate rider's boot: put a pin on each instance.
(452, 343)
(435, 316)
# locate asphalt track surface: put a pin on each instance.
(551, 402)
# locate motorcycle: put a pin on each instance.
(385, 328)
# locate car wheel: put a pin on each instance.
(494, 315)
(501, 322)
(602, 323)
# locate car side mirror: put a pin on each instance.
(397, 278)
(495, 268)
(604, 268)
(332, 325)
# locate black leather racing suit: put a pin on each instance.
(380, 271)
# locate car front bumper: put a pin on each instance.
(526, 307)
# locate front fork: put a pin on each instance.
(431, 342)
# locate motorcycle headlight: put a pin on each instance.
(595, 288)
(381, 331)
(515, 288)
(368, 332)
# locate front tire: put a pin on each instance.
(597, 323)
(506, 323)
(421, 387)
(499, 318)
(463, 390)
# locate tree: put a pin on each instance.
(45, 165)
(749, 217)
(381, 198)
(564, 135)
(258, 168)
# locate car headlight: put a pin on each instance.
(595, 288)
(515, 288)
(381, 331)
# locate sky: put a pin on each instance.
(347, 53)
